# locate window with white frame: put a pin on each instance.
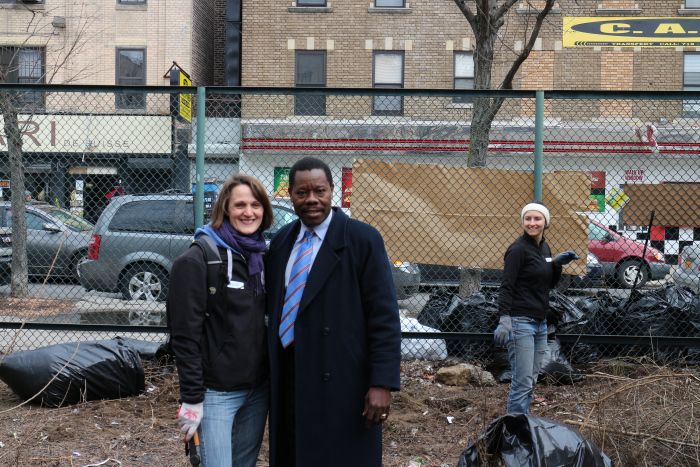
(463, 75)
(691, 82)
(23, 65)
(692, 3)
(131, 2)
(388, 73)
(389, 3)
(310, 72)
(131, 70)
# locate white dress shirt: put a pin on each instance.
(316, 241)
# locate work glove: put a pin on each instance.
(188, 418)
(502, 333)
(565, 258)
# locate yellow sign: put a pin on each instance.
(185, 99)
(625, 31)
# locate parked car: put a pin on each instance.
(610, 257)
(137, 238)
(5, 255)
(56, 239)
(688, 271)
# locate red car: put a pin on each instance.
(620, 257)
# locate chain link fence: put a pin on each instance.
(110, 179)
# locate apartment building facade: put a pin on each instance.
(99, 142)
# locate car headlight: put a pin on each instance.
(592, 259)
(657, 254)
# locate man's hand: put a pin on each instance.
(377, 403)
(565, 258)
(188, 418)
(503, 330)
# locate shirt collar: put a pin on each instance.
(320, 230)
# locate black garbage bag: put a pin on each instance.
(555, 369)
(521, 440)
(477, 313)
(74, 372)
(563, 310)
(435, 310)
(600, 314)
(147, 350)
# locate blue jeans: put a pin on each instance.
(526, 349)
(232, 426)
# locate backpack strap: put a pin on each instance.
(213, 260)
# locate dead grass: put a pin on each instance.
(34, 307)
(648, 419)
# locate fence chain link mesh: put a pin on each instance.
(110, 177)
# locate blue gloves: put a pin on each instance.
(565, 258)
(502, 333)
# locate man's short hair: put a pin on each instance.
(309, 163)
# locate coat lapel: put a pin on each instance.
(326, 259)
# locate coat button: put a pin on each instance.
(326, 331)
(206, 314)
(326, 376)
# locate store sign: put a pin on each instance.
(281, 188)
(625, 31)
(99, 134)
(182, 103)
(597, 198)
(634, 175)
(346, 187)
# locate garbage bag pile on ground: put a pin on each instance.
(667, 311)
(65, 374)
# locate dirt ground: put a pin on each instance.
(637, 413)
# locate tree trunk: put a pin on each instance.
(469, 282)
(19, 281)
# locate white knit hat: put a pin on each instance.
(541, 208)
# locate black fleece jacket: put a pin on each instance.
(528, 276)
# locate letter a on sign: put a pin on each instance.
(669, 28)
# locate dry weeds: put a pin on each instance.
(639, 414)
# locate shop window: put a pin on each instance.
(23, 65)
(691, 82)
(463, 75)
(310, 72)
(131, 70)
(388, 73)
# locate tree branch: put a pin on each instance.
(467, 12)
(508, 80)
(503, 9)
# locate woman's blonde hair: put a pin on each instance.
(259, 193)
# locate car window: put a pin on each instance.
(145, 216)
(596, 233)
(34, 221)
(281, 217)
(184, 218)
(75, 223)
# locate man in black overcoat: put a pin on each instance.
(334, 365)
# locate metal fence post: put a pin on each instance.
(539, 130)
(199, 166)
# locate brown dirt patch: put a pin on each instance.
(34, 307)
(651, 419)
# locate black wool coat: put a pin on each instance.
(347, 339)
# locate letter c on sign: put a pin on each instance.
(614, 28)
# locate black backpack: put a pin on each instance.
(212, 258)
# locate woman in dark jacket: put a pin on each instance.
(529, 273)
(218, 335)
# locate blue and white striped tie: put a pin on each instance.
(295, 289)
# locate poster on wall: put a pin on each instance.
(281, 187)
(624, 31)
(597, 198)
(346, 187)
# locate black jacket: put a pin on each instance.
(221, 346)
(528, 276)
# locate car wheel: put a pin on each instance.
(73, 267)
(146, 318)
(628, 270)
(144, 282)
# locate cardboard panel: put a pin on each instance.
(674, 204)
(461, 216)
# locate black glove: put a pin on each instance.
(565, 258)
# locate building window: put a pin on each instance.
(692, 3)
(23, 65)
(131, 2)
(131, 71)
(388, 73)
(310, 72)
(464, 75)
(691, 82)
(389, 3)
(311, 2)
(22, 1)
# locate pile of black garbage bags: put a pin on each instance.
(667, 311)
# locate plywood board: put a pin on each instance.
(461, 216)
(674, 204)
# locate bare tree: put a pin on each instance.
(11, 103)
(486, 18)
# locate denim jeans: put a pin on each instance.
(526, 349)
(232, 426)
